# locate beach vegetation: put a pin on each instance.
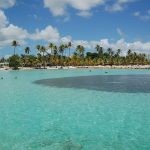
(70, 55)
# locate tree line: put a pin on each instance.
(60, 55)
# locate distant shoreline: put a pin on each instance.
(85, 67)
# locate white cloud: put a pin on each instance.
(48, 34)
(65, 39)
(84, 43)
(9, 32)
(137, 46)
(7, 3)
(115, 7)
(120, 32)
(136, 14)
(12, 32)
(3, 19)
(85, 7)
(141, 16)
(119, 5)
(85, 14)
(59, 7)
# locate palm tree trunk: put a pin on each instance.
(14, 50)
(69, 52)
(43, 61)
(52, 52)
(62, 59)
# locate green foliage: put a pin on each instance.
(60, 56)
(92, 55)
(14, 62)
(14, 44)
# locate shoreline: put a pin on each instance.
(84, 67)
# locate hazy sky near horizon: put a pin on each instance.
(111, 23)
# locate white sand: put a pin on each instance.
(87, 67)
(117, 67)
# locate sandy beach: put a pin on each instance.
(85, 67)
(117, 67)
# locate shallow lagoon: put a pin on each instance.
(72, 116)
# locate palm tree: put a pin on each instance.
(99, 50)
(101, 57)
(129, 57)
(43, 51)
(38, 47)
(61, 49)
(129, 52)
(110, 54)
(69, 46)
(14, 44)
(118, 55)
(66, 47)
(118, 52)
(81, 50)
(51, 46)
(142, 58)
(27, 50)
(55, 50)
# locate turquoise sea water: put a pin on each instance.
(38, 117)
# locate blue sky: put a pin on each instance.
(111, 23)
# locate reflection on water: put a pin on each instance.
(109, 83)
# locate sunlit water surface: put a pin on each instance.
(97, 110)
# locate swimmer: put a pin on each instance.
(16, 78)
(2, 78)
